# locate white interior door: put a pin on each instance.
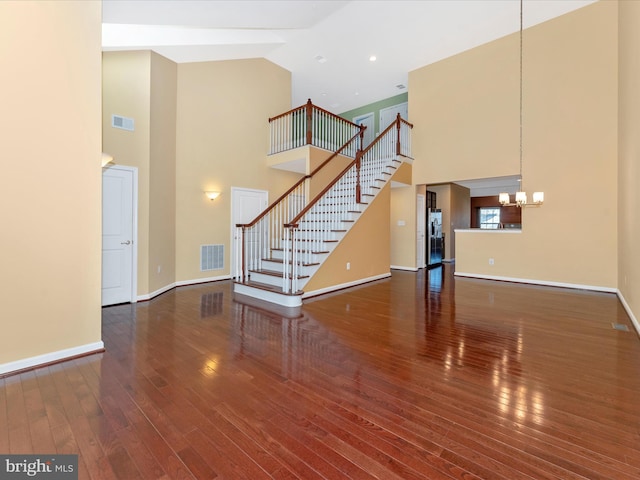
(246, 204)
(368, 121)
(118, 234)
(420, 231)
(389, 114)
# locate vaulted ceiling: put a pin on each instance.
(326, 44)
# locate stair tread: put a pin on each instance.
(280, 260)
(273, 273)
(266, 286)
(314, 252)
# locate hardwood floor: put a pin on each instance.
(420, 376)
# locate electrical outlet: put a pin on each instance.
(348, 265)
(159, 268)
(491, 261)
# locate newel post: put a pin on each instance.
(358, 163)
(243, 276)
(398, 123)
(309, 115)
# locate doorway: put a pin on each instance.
(246, 204)
(421, 221)
(119, 234)
(368, 121)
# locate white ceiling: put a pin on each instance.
(403, 35)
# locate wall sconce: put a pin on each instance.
(212, 195)
(106, 159)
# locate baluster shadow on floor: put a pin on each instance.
(419, 376)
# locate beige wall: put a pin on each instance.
(629, 156)
(327, 173)
(126, 91)
(403, 226)
(465, 112)
(222, 141)
(50, 187)
(366, 248)
(162, 173)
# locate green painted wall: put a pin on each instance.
(375, 108)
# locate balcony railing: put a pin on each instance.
(311, 125)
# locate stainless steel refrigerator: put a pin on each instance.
(435, 244)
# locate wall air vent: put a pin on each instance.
(125, 123)
(211, 257)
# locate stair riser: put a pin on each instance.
(267, 279)
(275, 281)
(311, 258)
(303, 270)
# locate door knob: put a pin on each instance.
(128, 242)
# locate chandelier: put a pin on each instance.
(521, 196)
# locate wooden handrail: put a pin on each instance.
(359, 154)
(299, 182)
(314, 107)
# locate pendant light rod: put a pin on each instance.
(521, 29)
(521, 195)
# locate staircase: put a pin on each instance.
(281, 250)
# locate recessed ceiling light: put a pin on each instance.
(320, 59)
(372, 58)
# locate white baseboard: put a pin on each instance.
(333, 288)
(399, 267)
(537, 282)
(149, 296)
(184, 283)
(49, 358)
(627, 308)
(181, 283)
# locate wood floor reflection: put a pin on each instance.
(419, 376)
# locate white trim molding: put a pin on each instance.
(195, 281)
(537, 282)
(181, 283)
(627, 308)
(281, 299)
(400, 267)
(49, 358)
(333, 288)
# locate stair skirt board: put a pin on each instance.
(268, 296)
(342, 286)
(291, 313)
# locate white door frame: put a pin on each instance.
(369, 133)
(421, 218)
(234, 192)
(393, 109)
(134, 227)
